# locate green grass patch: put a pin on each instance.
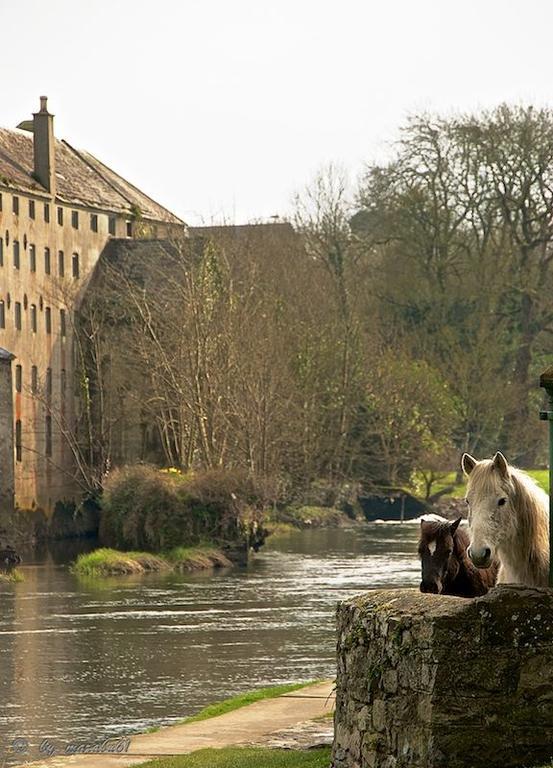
(276, 528)
(247, 757)
(111, 562)
(243, 699)
(307, 517)
(541, 476)
(14, 577)
(196, 558)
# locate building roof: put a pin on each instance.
(5, 355)
(81, 179)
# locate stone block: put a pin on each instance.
(431, 681)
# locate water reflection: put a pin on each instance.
(90, 659)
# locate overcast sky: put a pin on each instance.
(221, 109)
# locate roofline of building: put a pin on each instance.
(39, 191)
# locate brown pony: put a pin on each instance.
(446, 566)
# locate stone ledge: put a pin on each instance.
(427, 680)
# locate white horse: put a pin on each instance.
(508, 518)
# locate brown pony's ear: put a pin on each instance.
(501, 464)
(454, 525)
(468, 463)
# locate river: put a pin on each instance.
(88, 659)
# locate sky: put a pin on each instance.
(222, 110)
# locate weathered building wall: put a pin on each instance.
(43, 475)
(59, 207)
(6, 443)
(427, 681)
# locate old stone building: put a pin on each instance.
(59, 208)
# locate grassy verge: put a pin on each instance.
(246, 757)
(13, 577)
(241, 700)
(541, 476)
(111, 562)
(195, 558)
(293, 518)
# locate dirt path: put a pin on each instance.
(252, 724)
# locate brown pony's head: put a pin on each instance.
(437, 553)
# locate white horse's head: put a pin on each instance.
(489, 494)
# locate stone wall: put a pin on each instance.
(428, 680)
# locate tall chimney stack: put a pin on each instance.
(44, 147)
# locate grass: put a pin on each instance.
(195, 558)
(14, 577)
(541, 476)
(111, 562)
(294, 517)
(246, 757)
(241, 700)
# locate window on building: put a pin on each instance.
(61, 264)
(18, 378)
(94, 222)
(48, 319)
(75, 219)
(48, 382)
(75, 265)
(32, 258)
(60, 216)
(15, 205)
(62, 322)
(18, 436)
(47, 212)
(33, 318)
(34, 379)
(18, 315)
(2, 314)
(31, 209)
(48, 435)
(1, 252)
(47, 265)
(111, 225)
(16, 254)
(129, 228)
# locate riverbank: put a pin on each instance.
(261, 729)
(303, 517)
(112, 562)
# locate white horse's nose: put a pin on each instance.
(480, 557)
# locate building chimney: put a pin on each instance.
(44, 147)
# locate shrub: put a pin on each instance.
(140, 510)
(144, 508)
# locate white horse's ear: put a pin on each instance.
(468, 463)
(500, 463)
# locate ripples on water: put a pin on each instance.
(91, 659)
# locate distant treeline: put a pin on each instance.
(387, 330)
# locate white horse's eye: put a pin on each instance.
(501, 502)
